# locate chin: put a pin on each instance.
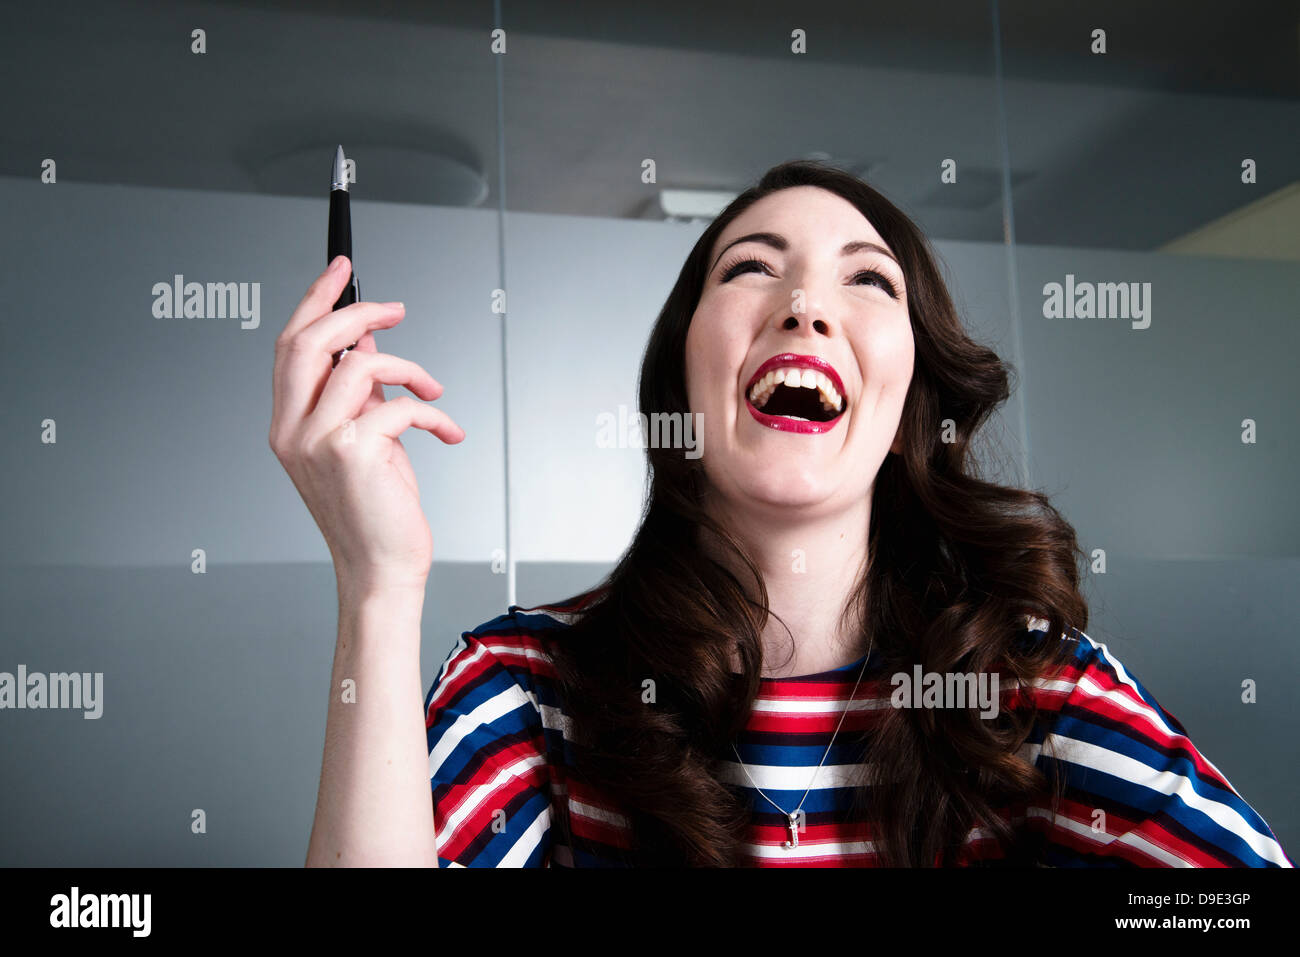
(789, 489)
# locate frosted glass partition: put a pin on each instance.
(161, 449)
(1155, 250)
(157, 540)
(1172, 447)
(1168, 431)
(162, 423)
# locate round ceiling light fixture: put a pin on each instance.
(387, 173)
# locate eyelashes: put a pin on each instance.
(734, 268)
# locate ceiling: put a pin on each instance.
(1136, 148)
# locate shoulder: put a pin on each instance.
(1136, 787)
(506, 658)
(1091, 680)
(519, 637)
(1100, 718)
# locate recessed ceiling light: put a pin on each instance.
(694, 203)
(385, 173)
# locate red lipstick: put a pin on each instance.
(783, 423)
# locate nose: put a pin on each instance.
(817, 326)
(812, 319)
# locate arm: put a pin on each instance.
(373, 807)
(338, 439)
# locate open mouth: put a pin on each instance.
(796, 393)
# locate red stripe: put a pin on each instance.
(1106, 844)
(473, 663)
(487, 800)
(505, 648)
(1147, 724)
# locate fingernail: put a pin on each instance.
(395, 305)
(337, 263)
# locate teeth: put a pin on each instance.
(762, 390)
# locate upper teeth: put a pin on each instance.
(762, 390)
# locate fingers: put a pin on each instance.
(329, 333)
(302, 361)
(352, 383)
(310, 395)
(367, 344)
(320, 297)
(395, 416)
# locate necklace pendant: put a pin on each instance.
(793, 825)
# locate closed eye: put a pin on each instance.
(741, 266)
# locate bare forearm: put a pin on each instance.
(374, 807)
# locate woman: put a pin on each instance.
(829, 643)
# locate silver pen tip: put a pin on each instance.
(339, 178)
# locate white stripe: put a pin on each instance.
(554, 719)
(1266, 847)
(1124, 677)
(979, 834)
(532, 654)
(560, 792)
(466, 724)
(1099, 839)
(1136, 772)
(807, 849)
(447, 676)
(481, 792)
(456, 649)
(1115, 696)
(563, 617)
(594, 813)
(518, 855)
(771, 777)
(817, 705)
(1094, 690)
(1054, 684)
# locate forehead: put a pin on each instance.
(802, 214)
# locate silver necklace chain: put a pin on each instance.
(792, 819)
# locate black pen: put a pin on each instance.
(340, 237)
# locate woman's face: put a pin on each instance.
(826, 323)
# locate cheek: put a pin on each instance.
(710, 361)
(695, 356)
(888, 356)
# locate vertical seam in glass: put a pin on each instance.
(501, 279)
(1009, 240)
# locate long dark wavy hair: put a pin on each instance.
(954, 565)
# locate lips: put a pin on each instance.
(790, 359)
(798, 417)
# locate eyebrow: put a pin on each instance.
(779, 243)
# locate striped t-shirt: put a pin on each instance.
(497, 743)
